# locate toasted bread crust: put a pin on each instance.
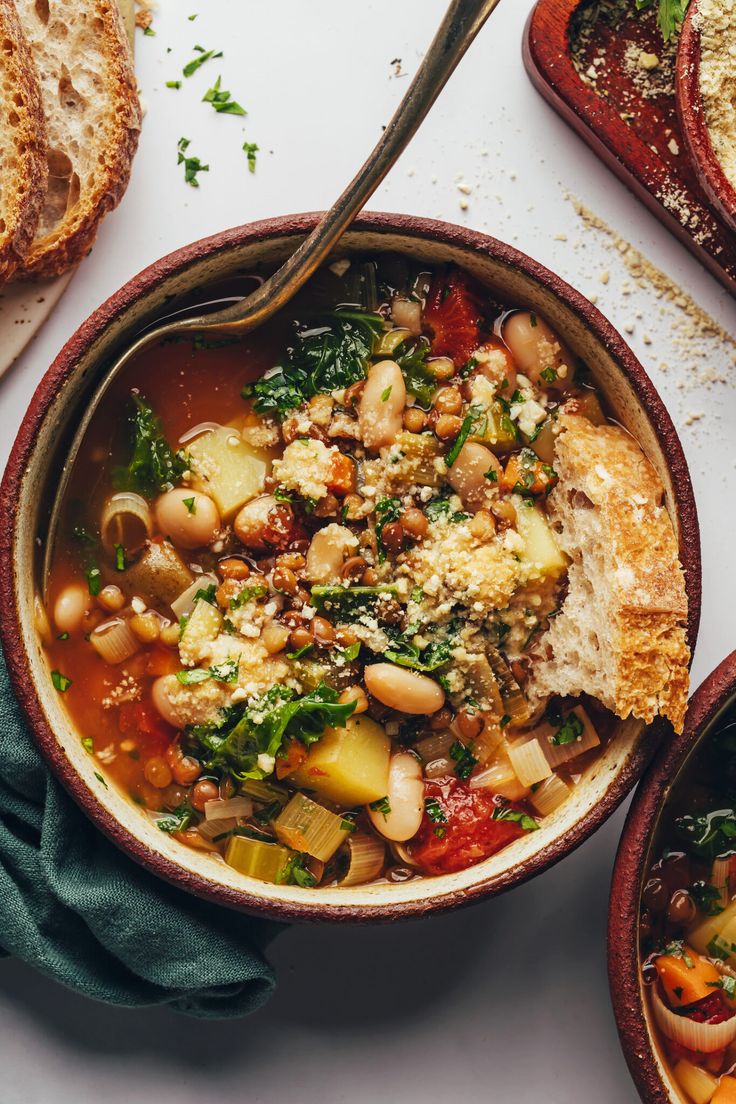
(24, 129)
(71, 239)
(630, 565)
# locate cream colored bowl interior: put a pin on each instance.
(509, 285)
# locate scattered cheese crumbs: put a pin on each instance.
(648, 61)
(464, 188)
(716, 21)
(138, 605)
(673, 146)
(694, 416)
(605, 276)
(306, 467)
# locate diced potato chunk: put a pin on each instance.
(697, 1083)
(541, 551)
(204, 625)
(227, 469)
(348, 765)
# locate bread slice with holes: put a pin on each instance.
(23, 166)
(93, 119)
(620, 634)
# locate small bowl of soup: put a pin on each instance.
(300, 637)
(672, 929)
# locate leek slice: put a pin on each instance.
(307, 826)
(515, 705)
(267, 792)
(266, 861)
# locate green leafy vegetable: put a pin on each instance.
(153, 466)
(405, 654)
(464, 760)
(726, 983)
(119, 557)
(440, 508)
(383, 806)
(88, 744)
(296, 873)
(418, 377)
(708, 834)
(524, 821)
(94, 580)
(434, 811)
(176, 821)
(326, 357)
(707, 897)
(348, 603)
(173, 84)
(266, 723)
(670, 14)
(227, 671)
(191, 504)
(60, 682)
(222, 100)
(246, 594)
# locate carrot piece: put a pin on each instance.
(687, 977)
(290, 758)
(726, 1091)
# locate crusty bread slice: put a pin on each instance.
(620, 635)
(23, 166)
(93, 120)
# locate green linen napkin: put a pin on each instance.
(81, 911)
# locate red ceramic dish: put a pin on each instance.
(716, 185)
(707, 705)
(30, 480)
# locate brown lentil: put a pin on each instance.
(204, 790)
(469, 724)
(157, 772)
(392, 537)
(284, 580)
(353, 568)
(354, 694)
(414, 523)
(414, 419)
(299, 638)
(233, 568)
(448, 426)
(448, 400)
(322, 631)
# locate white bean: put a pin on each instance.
(382, 405)
(404, 690)
(407, 313)
(162, 701)
(467, 475)
(405, 800)
(327, 552)
(536, 348)
(250, 524)
(70, 608)
(190, 519)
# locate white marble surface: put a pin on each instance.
(508, 1000)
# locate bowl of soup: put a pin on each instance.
(278, 642)
(672, 933)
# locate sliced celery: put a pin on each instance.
(364, 859)
(266, 861)
(307, 826)
(265, 791)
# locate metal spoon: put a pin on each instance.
(462, 21)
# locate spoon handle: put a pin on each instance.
(462, 21)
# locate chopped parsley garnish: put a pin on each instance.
(471, 422)
(191, 504)
(119, 557)
(569, 732)
(383, 806)
(708, 834)
(173, 84)
(440, 508)
(491, 475)
(523, 819)
(386, 394)
(434, 811)
(464, 760)
(63, 636)
(726, 983)
(176, 821)
(204, 55)
(222, 100)
(246, 594)
(88, 744)
(250, 149)
(149, 32)
(192, 165)
(707, 897)
(532, 316)
(404, 654)
(418, 376)
(549, 375)
(99, 778)
(676, 949)
(328, 355)
(60, 682)
(417, 594)
(94, 580)
(296, 873)
(304, 650)
(206, 594)
(227, 671)
(153, 466)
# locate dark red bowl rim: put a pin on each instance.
(63, 366)
(716, 692)
(708, 168)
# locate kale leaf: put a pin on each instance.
(266, 723)
(419, 379)
(326, 357)
(708, 834)
(153, 465)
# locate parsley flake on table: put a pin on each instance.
(192, 165)
(222, 100)
(250, 149)
(204, 55)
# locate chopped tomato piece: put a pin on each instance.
(143, 720)
(452, 314)
(467, 835)
(713, 1009)
(290, 758)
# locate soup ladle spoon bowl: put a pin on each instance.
(460, 25)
